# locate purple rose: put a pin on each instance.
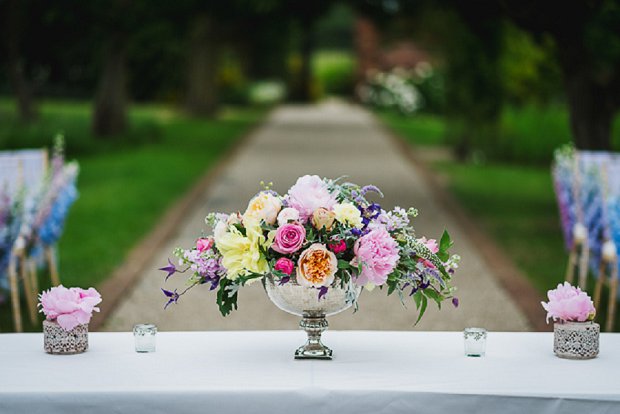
(289, 238)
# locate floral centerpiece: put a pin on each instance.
(67, 314)
(323, 240)
(576, 336)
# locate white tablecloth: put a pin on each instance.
(254, 372)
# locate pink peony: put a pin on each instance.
(308, 194)
(69, 307)
(289, 238)
(285, 265)
(339, 247)
(204, 244)
(569, 303)
(377, 251)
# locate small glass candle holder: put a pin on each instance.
(475, 342)
(144, 335)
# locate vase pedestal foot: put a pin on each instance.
(314, 325)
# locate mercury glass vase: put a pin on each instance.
(576, 340)
(58, 341)
(304, 301)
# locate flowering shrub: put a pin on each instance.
(569, 303)
(69, 307)
(322, 233)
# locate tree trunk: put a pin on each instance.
(17, 76)
(202, 96)
(110, 113)
(303, 86)
(591, 98)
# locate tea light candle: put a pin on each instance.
(144, 335)
(475, 342)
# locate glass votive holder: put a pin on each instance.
(475, 342)
(144, 336)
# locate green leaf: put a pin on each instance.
(417, 298)
(444, 245)
(434, 295)
(226, 303)
(343, 264)
(422, 309)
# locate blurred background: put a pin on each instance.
(485, 91)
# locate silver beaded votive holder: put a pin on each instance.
(576, 340)
(60, 342)
(475, 342)
(144, 336)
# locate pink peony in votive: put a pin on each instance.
(69, 307)
(569, 303)
(285, 265)
(378, 253)
(289, 238)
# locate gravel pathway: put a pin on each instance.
(331, 139)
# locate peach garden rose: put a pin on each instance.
(316, 266)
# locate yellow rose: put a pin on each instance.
(316, 266)
(322, 217)
(264, 206)
(347, 213)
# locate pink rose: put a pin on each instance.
(378, 253)
(309, 193)
(569, 303)
(289, 238)
(203, 244)
(285, 265)
(69, 307)
(339, 247)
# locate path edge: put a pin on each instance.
(127, 274)
(511, 278)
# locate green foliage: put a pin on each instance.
(334, 72)
(528, 68)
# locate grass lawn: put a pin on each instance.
(125, 185)
(514, 203)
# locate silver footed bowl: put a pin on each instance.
(304, 301)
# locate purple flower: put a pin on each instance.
(323, 291)
(171, 269)
(284, 280)
(455, 302)
(173, 297)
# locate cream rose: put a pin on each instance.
(322, 217)
(265, 206)
(316, 266)
(287, 215)
(347, 213)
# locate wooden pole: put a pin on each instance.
(602, 278)
(17, 313)
(613, 292)
(30, 300)
(34, 280)
(50, 253)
